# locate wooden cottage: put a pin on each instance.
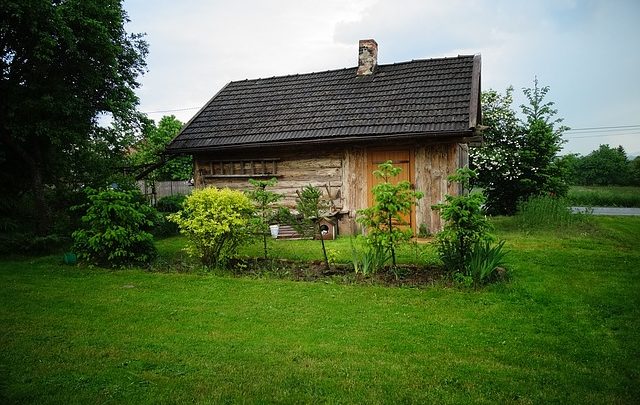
(331, 129)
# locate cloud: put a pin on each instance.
(586, 51)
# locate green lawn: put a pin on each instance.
(604, 196)
(565, 329)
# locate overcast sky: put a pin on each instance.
(588, 52)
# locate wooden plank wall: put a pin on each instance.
(344, 172)
(294, 171)
(434, 163)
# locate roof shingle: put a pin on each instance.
(421, 98)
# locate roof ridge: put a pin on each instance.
(350, 68)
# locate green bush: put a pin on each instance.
(168, 205)
(384, 220)
(171, 203)
(465, 225)
(115, 229)
(366, 258)
(216, 222)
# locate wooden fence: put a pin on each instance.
(156, 190)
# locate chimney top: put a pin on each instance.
(367, 57)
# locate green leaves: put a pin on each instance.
(66, 65)
(518, 158)
(264, 201)
(216, 223)
(384, 220)
(116, 227)
(465, 225)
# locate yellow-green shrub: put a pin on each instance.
(216, 222)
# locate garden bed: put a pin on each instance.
(409, 275)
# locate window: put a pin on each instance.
(239, 168)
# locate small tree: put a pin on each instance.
(264, 201)
(312, 207)
(519, 157)
(392, 202)
(115, 229)
(465, 225)
(216, 222)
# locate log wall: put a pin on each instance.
(343, 173)
(294, 171)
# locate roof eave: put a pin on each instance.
(475, 110)
(461, 136)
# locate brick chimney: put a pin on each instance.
(367, 57)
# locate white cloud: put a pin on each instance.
(587, 51)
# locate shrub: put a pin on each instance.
(168, 205)
(384, 220)
(465, 224)
(216, 222)
(171, 203)
(115, 229)
(368, 259)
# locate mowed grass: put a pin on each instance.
(604, 196)
(565, 329)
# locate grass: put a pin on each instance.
(566, 329)
(604, 196)
(548, 212)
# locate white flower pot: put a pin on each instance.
(274, 230)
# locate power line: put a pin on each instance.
(602, 136)
(607, 128)
(174, 110)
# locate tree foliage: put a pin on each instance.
(116, 228)
(519, 157)
(465, 224)
(312, 207)
(384, 221)
(150, 149)
(64, 65)
(602, 167)
(264, 201)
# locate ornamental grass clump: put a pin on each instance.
(216, 222)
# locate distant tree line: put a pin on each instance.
(605, 166)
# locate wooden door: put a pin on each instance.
(399, 158)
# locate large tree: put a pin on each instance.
(66, 64)
(519, 156)
(150, 150)
(604, 166)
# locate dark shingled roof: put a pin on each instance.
(433, 97)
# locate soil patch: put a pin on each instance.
(402, 275)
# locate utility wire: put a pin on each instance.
(166, 111)
(602, 136)
(607, 128)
